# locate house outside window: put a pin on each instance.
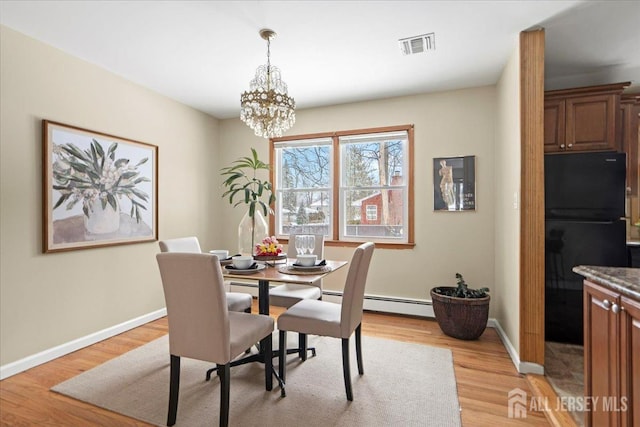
(351, 186)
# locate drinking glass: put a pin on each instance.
(311, 243)
(300, 244)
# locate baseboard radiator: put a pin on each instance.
(413, 307)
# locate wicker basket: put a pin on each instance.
(462, 318)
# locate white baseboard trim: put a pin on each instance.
(522, 367)
(53, 353)
(413, 307)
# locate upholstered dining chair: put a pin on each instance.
(331, 319)
(288, 294)
(237, 301)
(202, 327)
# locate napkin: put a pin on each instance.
(317, 264)
(252, 267)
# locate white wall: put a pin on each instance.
(446, 124)
(506, 298)
(47, 300)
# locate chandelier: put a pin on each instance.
(265, 107)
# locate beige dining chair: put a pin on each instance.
(202, 327)
(237, 301)
(288, 294)
(331, 319)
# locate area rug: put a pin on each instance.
(403, 385)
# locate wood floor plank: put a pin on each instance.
(484, 374)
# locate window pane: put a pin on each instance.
(368, 163)
(301, 211)
(375, 213)
(372, 212)
(373, 186)
(305, 167)
(304, 178)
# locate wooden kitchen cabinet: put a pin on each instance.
(611, 357)
(554, 138)
(630, 359)
(583, 119)
(629, 129)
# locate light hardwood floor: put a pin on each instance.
(483, 370)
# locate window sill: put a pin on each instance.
(379, 245)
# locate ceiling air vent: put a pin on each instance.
(418, 44)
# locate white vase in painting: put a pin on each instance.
(102, 220)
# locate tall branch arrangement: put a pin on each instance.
(241, 181)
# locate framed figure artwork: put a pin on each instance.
(98, 189)
(454, 184)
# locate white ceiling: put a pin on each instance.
(204, 53)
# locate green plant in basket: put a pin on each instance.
(461, 312)
(462, 290)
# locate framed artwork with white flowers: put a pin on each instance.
(98, 189)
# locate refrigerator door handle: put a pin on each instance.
(604, 222)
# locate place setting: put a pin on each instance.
(237, 264)
(244, 264)
(306, 262)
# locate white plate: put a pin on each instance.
(260, 267)
(311, 268)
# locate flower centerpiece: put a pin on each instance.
(97, 179)
(269, 248)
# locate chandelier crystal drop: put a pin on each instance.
(266, 107)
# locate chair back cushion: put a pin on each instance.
(181, 244)
(318, 250)
(196, 306)
(353, 295)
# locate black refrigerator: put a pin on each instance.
(584, 225)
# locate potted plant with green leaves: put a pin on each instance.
(461, 312)
(244, 187)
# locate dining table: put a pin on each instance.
(271, 272)
(281, 272)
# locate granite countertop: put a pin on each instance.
(623, 280)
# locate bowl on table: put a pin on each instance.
(222, 254)
(242, 262)
(307, 260)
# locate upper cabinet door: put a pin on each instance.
(591, 123)
(630, 137)
(554, 125)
